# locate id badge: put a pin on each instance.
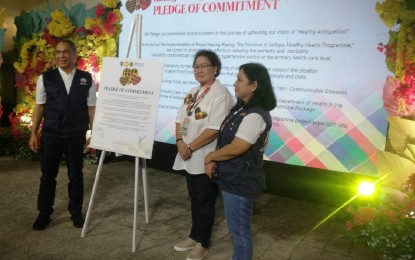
(184, 126)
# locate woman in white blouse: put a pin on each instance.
(197, 125)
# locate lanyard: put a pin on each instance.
(196, 100)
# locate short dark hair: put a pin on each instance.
(212, 57)
(71, 44)
(264, 94)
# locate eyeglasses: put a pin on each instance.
(202, 67)
(64, 52)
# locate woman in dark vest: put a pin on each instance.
(236, 165)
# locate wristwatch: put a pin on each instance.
(188, 148)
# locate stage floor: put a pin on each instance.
(281, 227)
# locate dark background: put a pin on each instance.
(297, 182)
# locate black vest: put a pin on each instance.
(66, 115)
(243, 175)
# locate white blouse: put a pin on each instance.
(214, 106)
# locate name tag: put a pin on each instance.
(184, 126)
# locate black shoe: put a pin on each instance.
(77, 220)
(42, 221)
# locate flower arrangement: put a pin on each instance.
(2, 32)
(400, 49)
(95, 33)
(60, 26)
(389, 226)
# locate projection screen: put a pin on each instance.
(322, 56)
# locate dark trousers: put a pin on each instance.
(52, 149)
(202, 192)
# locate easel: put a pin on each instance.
(136, 27)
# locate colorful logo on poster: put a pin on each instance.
(130, 75)
(135, 5)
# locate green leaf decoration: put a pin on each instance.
(36, 23)
(65, 10)
(29, 23)
(44, 17)
(79, 13)
(23, 24)
(2, 33)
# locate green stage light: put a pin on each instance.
(366, 188)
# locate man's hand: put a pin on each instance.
(36, 120)
(86, 145)
(33, 143)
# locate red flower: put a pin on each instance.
(100, 10)
(391, 216)
(381, 47)
(40, 65)
(49, 38)
(94, 63)
(20, 85)
(109, 28)
(82, 32)
(363, 215)
(31, 86)
(81, 64)
(111, 18)
(349, 225)
(411, 181)
(96, 30)
(14, 129)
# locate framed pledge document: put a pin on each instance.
(127, 106)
